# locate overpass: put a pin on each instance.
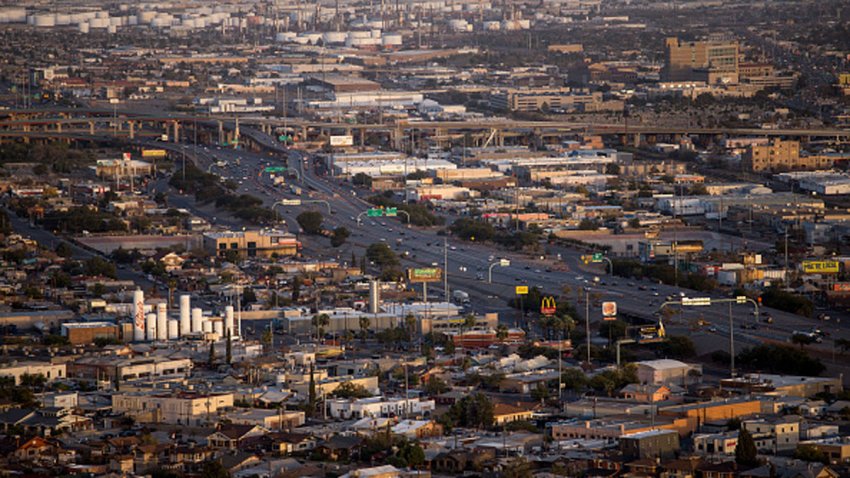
(101, 121)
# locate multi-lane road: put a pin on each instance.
(468, 263)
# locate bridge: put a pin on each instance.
(59, 122)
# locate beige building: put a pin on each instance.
(774, 434)
(186, 408)
(16, 370)
(782, 155)
(537, 99)
(256, 243)
(715, 60)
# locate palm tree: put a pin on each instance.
(320, 322)
(364, 326)
(502, 332)
(410, 324)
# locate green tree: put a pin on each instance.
(746, 453)
(319, 322)
(364, 324)
(310, 221)
(63, 249)
(435, 386)
(471, 411)
(214, 469)
(351, 390)
(382, 255)
(296, 288)
(810, 453)
(339, 236)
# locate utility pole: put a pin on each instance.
(731, 343)
(587, 320)
(446, 269)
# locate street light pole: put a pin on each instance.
(500, 262)
(731, 343)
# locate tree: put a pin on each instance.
(746, 453)
(63, 249)
(228, 348)
(296, 288)
(574, 379)
(517, 467)
(382, 255)
(810, 453)
(678, 347)
(339, 236)
(351, 390)
(802, 340)
(211, 357)
(364, 323)
(471, 411)
(310, 221)
(214, 469)
(362, 179)
(319, 322)
(311, 394)
(435, 386)
(540, 393)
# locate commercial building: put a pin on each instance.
(186, 408)
(82, 333)
(122, 168)
(774, 434)
(108, 368)
(666, 371)
(712, 60)
(254, 243)
(379, 407)
(16, 370)
(652, 444)
(552, 99)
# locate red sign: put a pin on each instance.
(841, 287)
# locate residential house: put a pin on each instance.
(231, 436)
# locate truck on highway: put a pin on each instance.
(460, 297)
(278, 180)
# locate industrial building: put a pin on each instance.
(252, 243)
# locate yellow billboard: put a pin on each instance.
(154, 153)
(521, 289)
(820, 267)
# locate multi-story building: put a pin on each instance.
(254, 243)
(650, 444)
(774, 433)
(187, 408)
(713, 60)
(782, 155)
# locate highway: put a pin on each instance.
(468, 263)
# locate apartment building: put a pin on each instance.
(542, 99)
(16, 370)
(379, 407)
(782, 155)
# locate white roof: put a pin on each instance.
(663, 364)
(374, 471)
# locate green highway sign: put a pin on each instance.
(374, 212)
(391, 212)
(597, 257)
(275, 169)
(284, 138)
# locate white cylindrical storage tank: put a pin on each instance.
(173, 329)
(228, 319)
(138, 315)
(83, 27)
(458, 25)
(161, 321)
(101, 14)
(185, 314)
(375, 33)
(207, 326)
(98, 23)
(218, 328)
(374, 297)
(150, 327)
(146, 17)
(116, 21)
(197, 320)
(391, 40)
(334, 37)
(200, 23)
(63, 19)
(112, 29)
(45, 20)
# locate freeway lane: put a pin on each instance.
(467, 260)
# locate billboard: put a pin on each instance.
(521, 290)
(342, 140)
(609, 310)
(425, 274)
(154, 153)
(820, 267)
(841, 287)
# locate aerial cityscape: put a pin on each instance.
(425, 238)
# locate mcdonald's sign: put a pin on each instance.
(548, 306)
